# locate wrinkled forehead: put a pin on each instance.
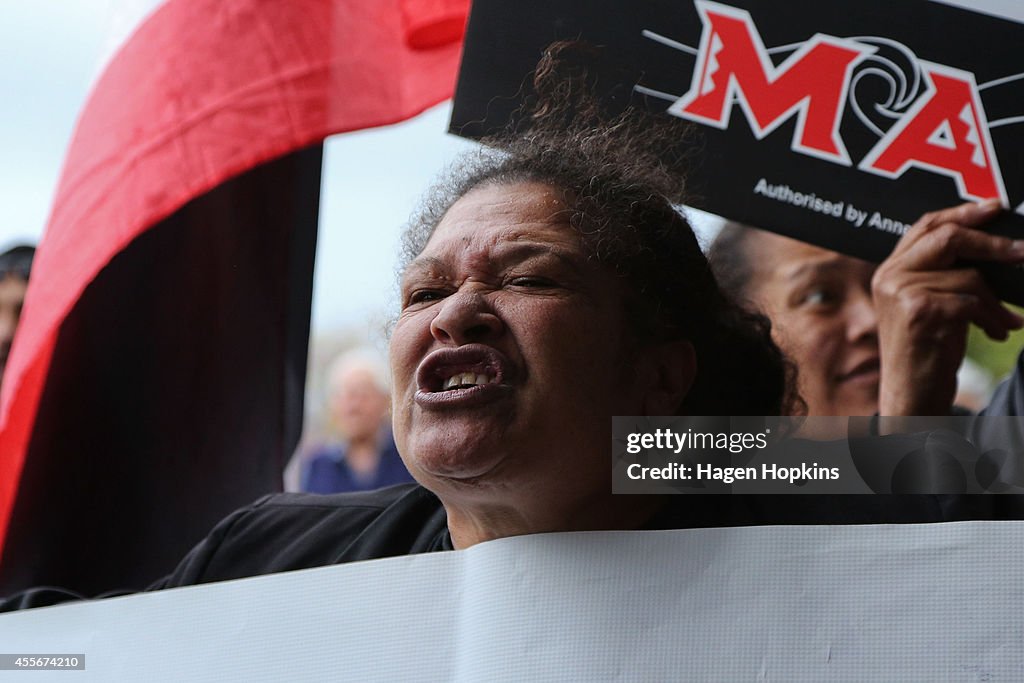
(499, 217)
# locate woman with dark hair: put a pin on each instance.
(547, 285)
(551, 287)
(867, 338)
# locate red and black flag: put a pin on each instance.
(156, 382)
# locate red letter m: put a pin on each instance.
(732, 63)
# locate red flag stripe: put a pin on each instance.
(204, 90)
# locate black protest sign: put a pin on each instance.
(836, 123)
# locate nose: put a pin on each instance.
(465, 317)
(861, 320)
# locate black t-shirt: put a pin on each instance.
(291, 531)
(288, 531)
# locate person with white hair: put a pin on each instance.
(358, 403)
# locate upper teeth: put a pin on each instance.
(465, 379)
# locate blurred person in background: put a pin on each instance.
(358, 403)
(15, 266)
(872, 338)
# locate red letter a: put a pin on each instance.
(946, 132)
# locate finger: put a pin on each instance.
(950, 313)
(949, 243)
(932, 301)
(981, 308)
(969, 214)
(995, 320)
(990, 314)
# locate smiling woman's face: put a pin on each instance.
(823, 318)
(511, 351)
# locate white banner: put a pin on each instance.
(856, 603)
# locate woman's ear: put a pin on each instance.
(674, 365)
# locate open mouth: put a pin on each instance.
(461, 375)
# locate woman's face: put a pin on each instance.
(511, 351)
(358, 404)
(823, 318)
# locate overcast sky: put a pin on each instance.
(52, 50)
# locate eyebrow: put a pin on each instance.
(521, 251)
(815, 267)
(514, 252)
(423, 264)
